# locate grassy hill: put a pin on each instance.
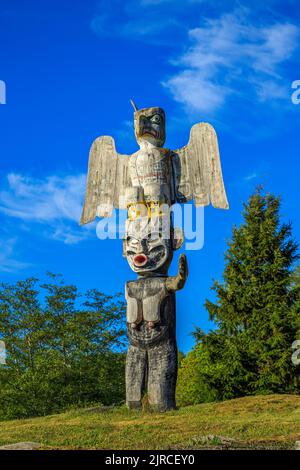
(271, 421)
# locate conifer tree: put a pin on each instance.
(256, 307)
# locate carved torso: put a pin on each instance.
(144, 298)
(150, 167)
(148, 300)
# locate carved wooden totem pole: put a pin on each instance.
(147, 183)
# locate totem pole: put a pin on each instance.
(147, 183)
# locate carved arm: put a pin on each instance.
(174, 283)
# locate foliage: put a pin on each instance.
(62, 350)
(191, 387)
(256, 312)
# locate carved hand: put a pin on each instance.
(182, 268)
(175, 283)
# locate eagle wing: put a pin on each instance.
(106, 181)
(197, 169)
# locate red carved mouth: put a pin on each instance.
(140, 260)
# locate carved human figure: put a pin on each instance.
(151, 363)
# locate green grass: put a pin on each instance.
(271, 421)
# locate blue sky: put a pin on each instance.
(70, 68)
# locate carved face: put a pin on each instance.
(149, 125)
(151, 252)
(148, 254)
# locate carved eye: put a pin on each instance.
(132, 241)
(156, 119)
(154, 236)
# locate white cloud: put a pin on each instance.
(252, 176)
(228, 52)
(69, 235)
(54, 202)
(45, 200)
(262, 172)
(8, 261)
(152, 21)
(193, 89)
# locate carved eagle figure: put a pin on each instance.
(191, 172)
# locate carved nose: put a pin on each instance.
(140, 260)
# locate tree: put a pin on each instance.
(256, 309)
(191, 385)
(63, 349)
(254, 312)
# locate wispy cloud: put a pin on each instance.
(228, 60)
(252, 176)
(69, 235)
(229, 52)
(41, 200)
(8, 255)
(262, 172)
(54, 202)
(152, 21)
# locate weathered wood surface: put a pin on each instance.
(197, 169)
(193, 171)
(151, 363)
(150, 177)
(107, 180)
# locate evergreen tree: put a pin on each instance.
(256, 314)
(255, 311)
